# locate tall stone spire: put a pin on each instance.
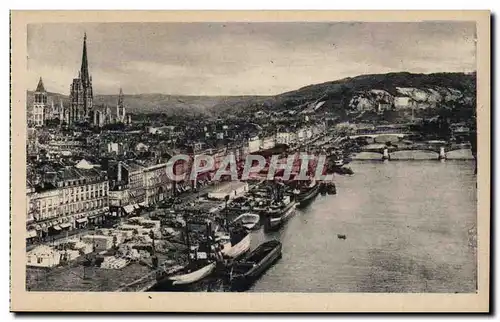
(84, 70)
(40, 88)
(61, 112)
(120, 108)
(120, 98)
(81, 94)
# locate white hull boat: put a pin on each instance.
(239, 249)
(193, 277)
(248, 220)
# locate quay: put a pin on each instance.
(140, 274)
(157, 236)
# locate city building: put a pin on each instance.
(383, 106)
(136, 185)
(31, 143)
(116, 148)
(67, 199)
(121, 114)
(39, 106)
(43, 256)
(81, 94)
(84, 195)
(268, 142)
(286, 137)
(44, 204)
(119, 201)
(254, 144)
(64, 145)
(104, 115)
(401, 102)
(127, 191)
(101, 115)
(157, 184)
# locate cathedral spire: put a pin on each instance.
(40, 88)
(84, 71)
(120, 98)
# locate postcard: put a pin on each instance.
(246, 161)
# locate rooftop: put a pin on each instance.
(133, 167)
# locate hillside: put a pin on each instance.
(353, 97)
(351, 93)
(160, 103)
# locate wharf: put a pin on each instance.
(77, 278)
(135, 277)
(74, 277)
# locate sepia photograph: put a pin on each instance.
(189, 155)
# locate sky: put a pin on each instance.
(241, 58)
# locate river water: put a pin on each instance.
(407, 226)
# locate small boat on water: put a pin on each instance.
(344, 171)
(234, 244)
(239, 204)
(192, 274)
(306, 194)
(322, 189)
(248, 220)
(252, 266)
(338, 162)
(203, 257)
(279, 212)
(200, 266)
(331, 189)
(328, 188)
(260, 205)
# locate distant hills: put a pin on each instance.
(160, 103)
(342, 95)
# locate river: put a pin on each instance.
(407, 230)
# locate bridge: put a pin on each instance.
(415, 152)
(372, 136)
(400, 150)
(376, 135)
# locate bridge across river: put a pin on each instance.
(392, 146)
(415, 152)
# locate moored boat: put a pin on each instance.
(252, 266)
(279, 212)
(235, 244)
(260, 205)
(307, 194)
(322, 188)
(331, 189)
(192, 274)
(239, 204)
(248, 220)
(202, 260)
(344, 171)
(338, 162)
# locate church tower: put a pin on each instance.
(81, 94)
(62, 112)
(86, 81)
(50, 112)
(39, 105)
(120, 109)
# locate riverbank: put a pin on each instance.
(155, 250)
